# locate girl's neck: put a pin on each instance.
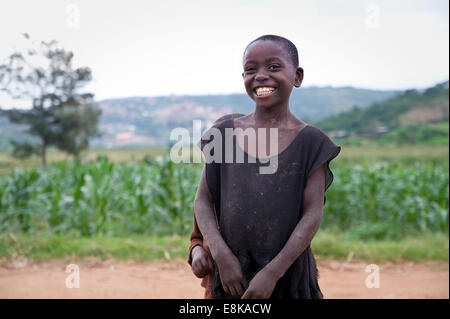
(274, 116)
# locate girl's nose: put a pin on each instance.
(261, 76)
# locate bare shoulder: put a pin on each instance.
(296, 124)
(244, 121)
(228, 117)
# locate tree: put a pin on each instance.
(62, 114)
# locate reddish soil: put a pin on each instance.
(174, 279)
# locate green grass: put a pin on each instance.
(417, 248)
(404, 155)
(370, 154)
(404, 137)
(8, 163)
(326, 245)
(43, 247)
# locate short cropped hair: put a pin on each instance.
(288, 45)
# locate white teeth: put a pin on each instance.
(264, 90)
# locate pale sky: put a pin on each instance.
(152, 48)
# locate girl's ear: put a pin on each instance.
(242, 74)
(298, 77)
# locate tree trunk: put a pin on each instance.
(43, 153)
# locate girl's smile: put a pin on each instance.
(264, 91)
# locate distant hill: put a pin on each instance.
(147, 121)
(409, 117)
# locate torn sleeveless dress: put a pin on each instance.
(257, 213)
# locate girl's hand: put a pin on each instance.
(201, 262)
(261, 286)
(233, 281)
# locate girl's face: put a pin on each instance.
(269, 74)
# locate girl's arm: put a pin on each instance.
(262, 285)
(198, 258)
(230, 271)
(196, 240)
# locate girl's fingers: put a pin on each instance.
(207, 265)
(244, 283)
(203, 263)
(227, 290)
(239, 290)
(201, 273)
(197, 272)
(233, 292)
(243, 288)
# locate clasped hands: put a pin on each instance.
(233, 282)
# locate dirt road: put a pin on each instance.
(174, 279)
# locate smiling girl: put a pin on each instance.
(259, 226)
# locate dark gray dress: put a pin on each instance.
(257, 213)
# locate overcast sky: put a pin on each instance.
(152, 48)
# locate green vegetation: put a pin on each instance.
(326, 244)
(124, 155)
(61, 113)
(405, 155)
(418, 248)
(408, 118)
(100, 197)
(386, 203)
(152, 118)
(436, 155)
(380, 201)
(431, 134)
(41, 247)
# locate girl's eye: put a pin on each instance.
(250, 69)
(273, 67)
